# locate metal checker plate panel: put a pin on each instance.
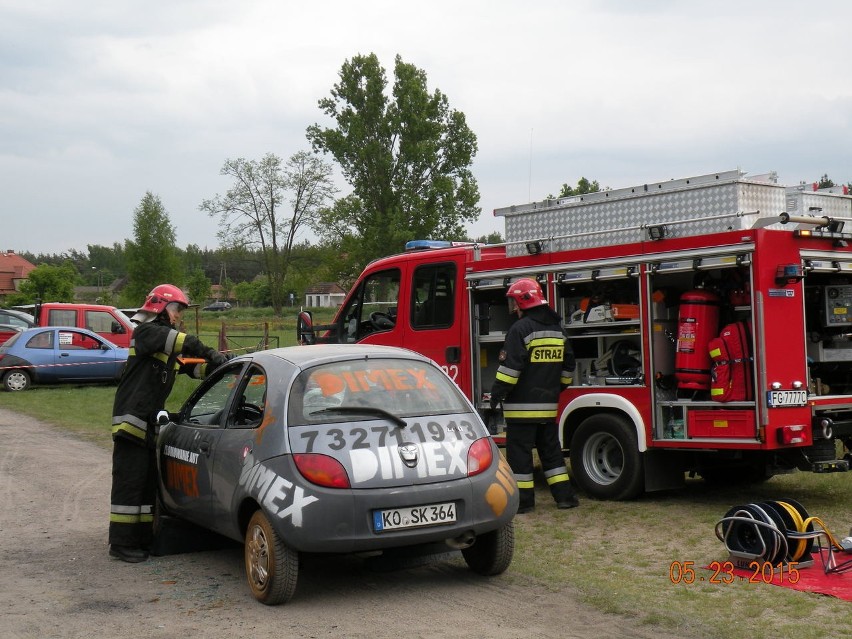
(653, 208)
(831, 205)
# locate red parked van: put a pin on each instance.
(106, 321)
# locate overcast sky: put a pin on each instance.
(101, 101)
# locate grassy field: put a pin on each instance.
(244, 329)
(616, 556)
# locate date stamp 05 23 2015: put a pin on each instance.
(723, 572)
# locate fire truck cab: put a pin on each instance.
(651, 282)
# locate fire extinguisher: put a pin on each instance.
(697, 324)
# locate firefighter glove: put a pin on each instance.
(216, 358)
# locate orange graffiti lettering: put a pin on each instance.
(329, 384)
(391, 379)
(505, 476)
(182, 477)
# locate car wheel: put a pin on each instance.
(16, 380)
(605, 458)
(271, 567)
(492, 552)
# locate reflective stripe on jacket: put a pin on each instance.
(535, 364)
(149, 375)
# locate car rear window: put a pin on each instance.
(11, 341)
(405, 388)
(14, 320)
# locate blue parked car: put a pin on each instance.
(57, 354)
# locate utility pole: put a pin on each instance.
(100, 282)
(223, 277)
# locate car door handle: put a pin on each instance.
(205, 447)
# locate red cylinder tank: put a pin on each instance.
(697, 324)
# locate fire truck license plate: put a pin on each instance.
(782, 398)
(414, 517)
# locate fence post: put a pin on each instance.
(265, 335)
(223, 338)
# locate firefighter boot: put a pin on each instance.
(568, 501)
(526, 503)
(129, 554)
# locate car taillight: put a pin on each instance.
(479, 456)
(322, 470)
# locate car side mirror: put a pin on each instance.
(117, 328)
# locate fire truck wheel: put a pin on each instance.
(492, 552)
(605, 458)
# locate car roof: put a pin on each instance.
(19, 314)
(85, 331)
(305, 356)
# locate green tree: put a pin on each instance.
(269, 204)
(260, 293)
(492, 238)
(192, 258)
(243, 292)
(47, 283)
(151, 255)
(106, 263)
(825, 182)
(312, 263)
(198, 286)
(583, 187)
(405, 153)
(342, 245)
(226, 288)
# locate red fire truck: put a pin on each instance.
(711, 319)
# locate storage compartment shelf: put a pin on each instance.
(603, 334)
(603, 326)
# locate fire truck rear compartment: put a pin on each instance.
(608, 344)
(828, 320)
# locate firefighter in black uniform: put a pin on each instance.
(142, 392)
(535, 365)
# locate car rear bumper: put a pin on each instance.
(323, 519)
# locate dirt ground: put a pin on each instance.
(57, 580)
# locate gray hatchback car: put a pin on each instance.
(341, 449)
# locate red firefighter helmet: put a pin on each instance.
(161, 296)
(527, 293)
